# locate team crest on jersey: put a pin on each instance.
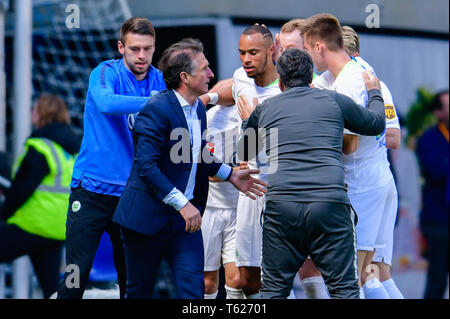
(131, 118)
(389, 111)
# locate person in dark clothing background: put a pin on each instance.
(433, 154)
(307, 210)
(5, 175)
(34, 212)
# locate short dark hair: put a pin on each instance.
(264, 31)
(436, 102)
(295, 68)
(177, 58)
(137, 25)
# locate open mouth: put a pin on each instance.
(248, 69)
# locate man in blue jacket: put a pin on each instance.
(117, 88)
(432, 152)
(160, 209)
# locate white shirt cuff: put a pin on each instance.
(176, 199)
(349, 132)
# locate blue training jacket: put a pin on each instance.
(104, 162)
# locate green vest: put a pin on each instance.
(45, 212)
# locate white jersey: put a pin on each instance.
(246, 86)
(224, 123)
(367, 168)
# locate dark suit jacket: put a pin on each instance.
(154, 174)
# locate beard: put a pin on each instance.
(258, 72)
(134, 69)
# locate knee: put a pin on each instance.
(384, 270)
(211, 286)
(249, 284)
(233, 281)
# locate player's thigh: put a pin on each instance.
(229, 237)
(370, 211)
(386, 230)
(212, 234)
(249, 231)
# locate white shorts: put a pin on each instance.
(374, 209)
(249, 231)
(385, 254)
(219, 235)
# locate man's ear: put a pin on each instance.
(184, 77)
(318, 46)
(120, 47)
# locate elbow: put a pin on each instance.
(392, 144)
(381, 126)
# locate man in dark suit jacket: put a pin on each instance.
(161, 206)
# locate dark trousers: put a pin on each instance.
(183, 252)
(45, 254)
(437, 238)
(325, 231)
(85, 228)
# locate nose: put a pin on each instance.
(141, 54)
(211, 74)
(247, 58)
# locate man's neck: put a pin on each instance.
(268, 77)
(336, 61)
(186, 94)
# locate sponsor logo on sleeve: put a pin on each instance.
(389, 111)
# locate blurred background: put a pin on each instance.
(45, 48)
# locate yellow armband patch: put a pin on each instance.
(389, 111)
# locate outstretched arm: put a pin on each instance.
(101, 89)
(224, 91)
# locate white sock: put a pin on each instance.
(374, 289)
(254, 296)
(315, 288)
(292, 295)
(361, 293)
(392, 290)
(211, 296)
(234, 293)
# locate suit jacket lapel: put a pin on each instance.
(177, 108)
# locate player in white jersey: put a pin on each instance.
(254, 82)
(371, 187)
(219, 218)
(391, 139)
